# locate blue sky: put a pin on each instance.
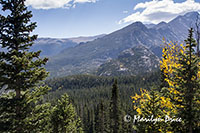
(71, 18)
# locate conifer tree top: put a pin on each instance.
(20, 69)
(15, 28)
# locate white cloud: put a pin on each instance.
(83, 1)
(125, 12)
(50, 4)
(156, 11)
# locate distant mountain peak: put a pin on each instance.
(151, 25)
(162, 22)
(137, 24)
(191, 14)
(161, 25)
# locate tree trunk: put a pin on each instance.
(18, 93)
(190, 130)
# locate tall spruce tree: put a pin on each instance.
(188, 85)
(115, 111)
(21, 71)
(64, 118)
(100, 118)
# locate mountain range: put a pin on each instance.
(53, 46)
(131, 50)
(84, 39)
(90, 57)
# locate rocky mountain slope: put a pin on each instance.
(133, 61)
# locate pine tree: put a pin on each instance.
(182, 72)
(21, 71)
(127, 126)
(115, 110)
(100, 120)
(151, 104)
(37, 111)
(64, 118)
(187, 83)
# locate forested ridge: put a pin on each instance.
(88, 92)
